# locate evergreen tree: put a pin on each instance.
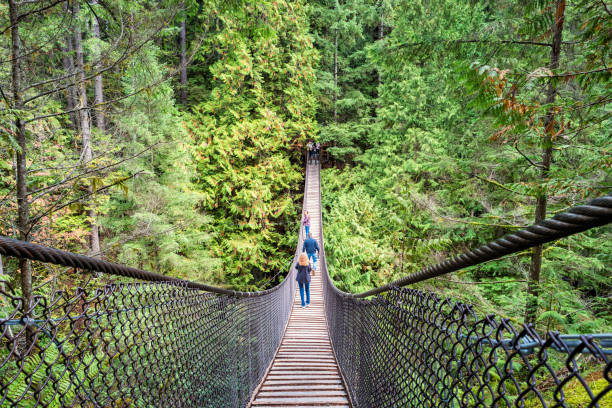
(249, 134)
(347, 79)
(446, 170)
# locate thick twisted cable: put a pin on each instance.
(35, 252)
(596, 213)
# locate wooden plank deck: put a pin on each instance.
(304, 372)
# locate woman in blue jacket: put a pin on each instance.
(303, 278)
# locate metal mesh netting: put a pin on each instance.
(138, 344)
(412, 349)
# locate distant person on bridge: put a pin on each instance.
(317, 152)
(311, 247)
(311, 147)
(306, 222)
(303, 278)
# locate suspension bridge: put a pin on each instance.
(155, 341)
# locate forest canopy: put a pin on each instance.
(169, 135)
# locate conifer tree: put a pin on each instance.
(523, 113)
(57, 182)
(347, 79)
(249, 135)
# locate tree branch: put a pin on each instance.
(527, 158)
(535, 43)
(481, 223)
(33, 171)
(483, 283)
(46, 190)
(572, 74)
(54, 208)
(495, 183)
(8, 104)
(24, 15)
(128, 52)
(165, 78)
(36, 49)
(605, 6)
(101, 70)
(125, 55)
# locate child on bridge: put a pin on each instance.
(306, 222)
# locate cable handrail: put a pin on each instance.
(596, 213)
(35, 252)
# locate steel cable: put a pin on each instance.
(596, 213)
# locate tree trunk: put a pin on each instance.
(94, 238)
(533, 289)
(98, 88)
(182, 40)
(71, 97)
(335, 75)
(23, 206)
(381, 29)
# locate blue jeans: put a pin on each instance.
(313, 256)
(307, 230)
(307, 286)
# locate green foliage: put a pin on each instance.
(346, 77)
(247, 136)
(432, 112)
(443, 167)
(157, 225)
(51, 366)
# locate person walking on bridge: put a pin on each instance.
(303, 278)
(306, 222)
(310, 147)
(311, 247)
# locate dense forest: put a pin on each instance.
(169, 135)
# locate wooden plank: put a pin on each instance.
(287, 402)
(298, 359)
(303, 379)
(294, 394)
(306, 387)
(303, 370)
(304, 406)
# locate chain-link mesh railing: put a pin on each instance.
(407, 348)
(139, 345)
(151, 342)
